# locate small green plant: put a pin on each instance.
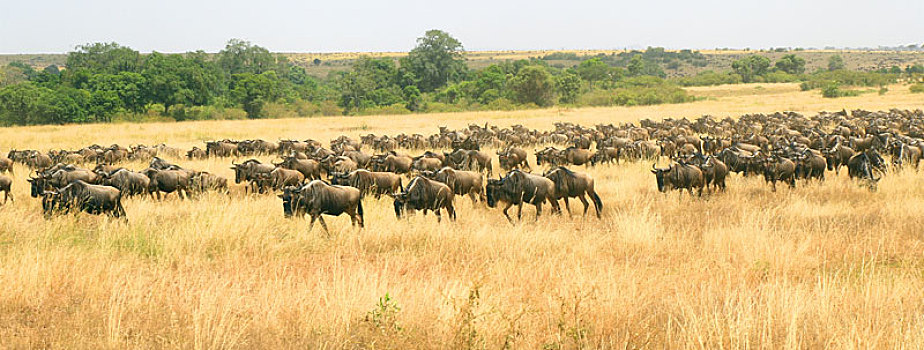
(467, 336)
(917, 88)
(883, 90)
(833, 90)
(384, 317)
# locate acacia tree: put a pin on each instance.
(791, 64)
(435, 61)
(533, 84)
(750, 67)
(835, 63)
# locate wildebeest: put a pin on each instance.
(461, 182)
(168, 181)
(250, 171)
(376, 183)
(572, 184)
(811, 165)
(864, 166)
(310, 168)
(6, 185)
(196, 153)
(318, 197)
(679, 176)
(60, 178)
(426, 164)
(224, 148)
(6, 165)
(779, 169)
(714, 170)
(392, 162)
(79, 195)
(513, 158)
(282, 177)
(902, 155)
(127, 181)
(425, 194)
(838, 156)
(205, 182)
(519, 187)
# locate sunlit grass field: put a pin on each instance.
(824, 265)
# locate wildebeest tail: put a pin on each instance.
(359, 208)
(597, 202)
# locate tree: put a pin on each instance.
(240, 56)
(533, 84)
(435, 61)
(593, 70)
(636, 65)
(568, 87)
(104, 58)
(253, 91)
(791, 64)
(835, 63)
(371, 82)
(750, 67)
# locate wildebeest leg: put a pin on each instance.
(568, 206)
(323, 224)
(584, 201)
(520, 211)
(505, 212)
(439, 218)
(538, 210)
(311, 224)
(452, 212)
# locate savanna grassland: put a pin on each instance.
(828, 264)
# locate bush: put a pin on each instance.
(640, 96)
(330, 108)
(709, 78)
(834, 91)
(917, 88)
(394, 109)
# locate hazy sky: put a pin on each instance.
(381, 25)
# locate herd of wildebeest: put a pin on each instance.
(313, 180)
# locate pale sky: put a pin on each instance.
(378, 25)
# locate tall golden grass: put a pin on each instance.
(823, 265)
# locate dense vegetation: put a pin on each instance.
(105, 82)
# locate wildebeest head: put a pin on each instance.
(291, 199)
(400, 201)
(493, 185)
(662, 176)
(37, 185)
(339, 178)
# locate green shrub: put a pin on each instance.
(917, 88)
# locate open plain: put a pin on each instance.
(819, 266)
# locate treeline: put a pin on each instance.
(105, 82)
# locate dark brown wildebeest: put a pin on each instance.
(548, 155)
(864, 166)
(6, 165)
(205, 182)
(398, 164)
(679, 176)
(425, 194)
(810, 165)
(6, 185)
(426, 164)
(224, 148)
(574, 155)
(902, 155)
(310, 168)
(838, 156)
(79, 195)
(38, 161)
(250, 171)
(513, 158)
(479, 161)
(160, 164)
(572, 184)
(605, 155)
(460, 182)
(361, 159)
(317, 198)
(168, 181)
(129, 182)
(779, 169)
(714, 170)
(60, 178)
(196, 153)
(519, 187)
(376, 183)
(282, 177)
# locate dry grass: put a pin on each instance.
(824, 265)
